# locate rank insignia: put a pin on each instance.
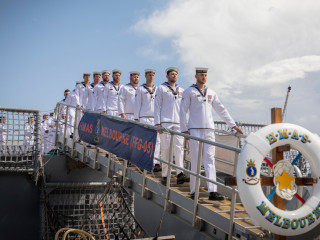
(209, 97)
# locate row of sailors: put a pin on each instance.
(48, 131)
(168, 106)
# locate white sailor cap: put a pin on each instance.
(96, 73)
(201, 70)
(150, 71)
(105, 71)
(170, 69)
(116, 71)
(86, 74)
(134, 73)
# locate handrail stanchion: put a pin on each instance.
(143, 184)
(197, 189)
(65, 128)
(74, 132)
(166, 203)
(57, 124)
(38, 164)
(233, 199)
(124, 171)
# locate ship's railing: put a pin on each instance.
(76, 115)
(20, 139)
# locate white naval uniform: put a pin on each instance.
(61, 109)
(98, 92)
(71, 100)
(3, 138)
(126, 100)
(144, 111)
(166, 113)
(45, 137)
(91, 96)
(28, 134)
(200, 124)
(109, 104)
(80, 91)
(52, 132)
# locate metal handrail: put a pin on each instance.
(198, 175)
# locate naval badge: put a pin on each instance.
(97, 132)
(251, 172)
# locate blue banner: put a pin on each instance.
(126, 140)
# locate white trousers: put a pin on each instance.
(113, 113)
(130, 116)
(70, 122)
(150, 121)
(207, 156)
(178, 142)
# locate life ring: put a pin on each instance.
(258, 146)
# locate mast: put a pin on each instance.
(286, 103)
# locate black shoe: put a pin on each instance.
(182, 178)
(157, 168)
(164, 181)
(215, 196)
(192, 196)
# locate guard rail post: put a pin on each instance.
(197, 188)
(166, 203)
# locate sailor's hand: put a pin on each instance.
(123, 116)
(188, 133)
(159, 131)
(238, 129)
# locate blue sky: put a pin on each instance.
(254, 50)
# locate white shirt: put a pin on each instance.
(62, 108)
(28, 132)
(99, 94)
(144, 102)
(91, 96)
(45, 127)
(110, 97)
(82, 98)
(126, 99)
(167, 104)
(3, 134)
(200, 106)
(72, 99)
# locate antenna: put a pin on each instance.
(286, 103)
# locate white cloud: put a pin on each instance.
(254, 49)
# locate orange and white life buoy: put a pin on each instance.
(258, 146)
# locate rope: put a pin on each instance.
(67, 231)
(106, 205)
(278, 170)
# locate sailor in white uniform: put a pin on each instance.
(3, 135)
(52, 131)
(90, 91)
(109, 102)
(144, 109)
(99, 90)
(45, 134)
(29, 134)
(166, 114)
(127, 95)
(81, 88)
(199, 102)
(61, 108)
(73, 101)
